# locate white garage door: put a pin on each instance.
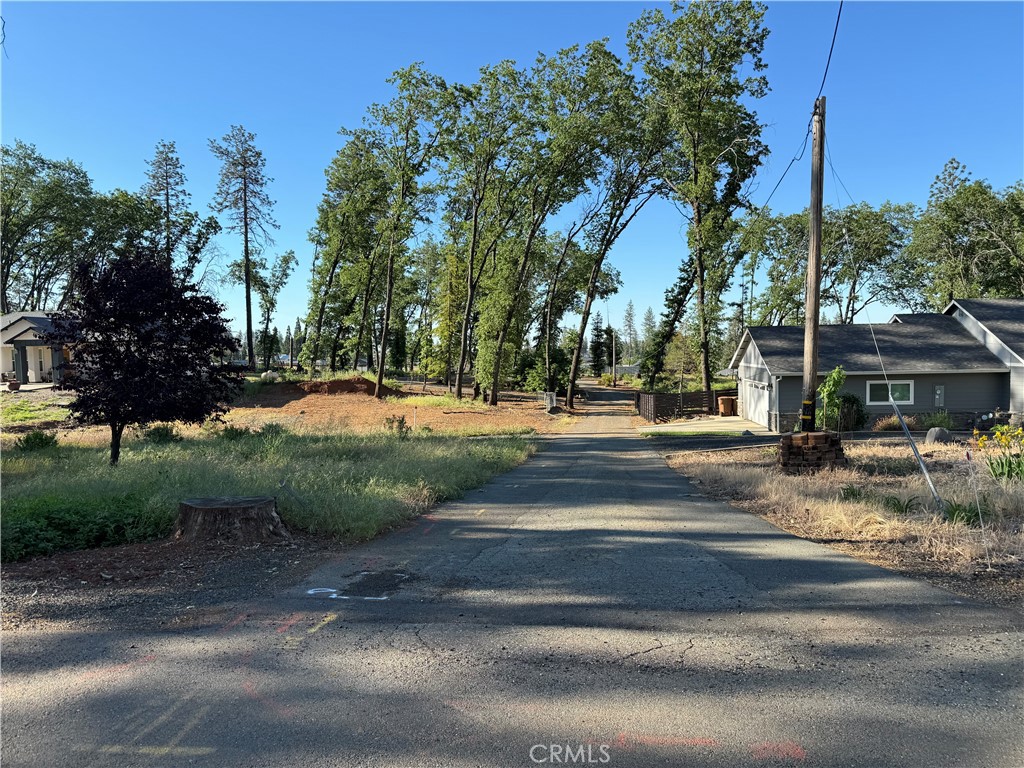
(754, 401)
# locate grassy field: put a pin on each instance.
(880, 499)
(350, 485)
(22, 411)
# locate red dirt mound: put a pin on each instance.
(343, 386)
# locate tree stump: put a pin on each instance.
(236, 519)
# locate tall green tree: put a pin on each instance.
(571, 95)
(268, 288)
(489, 133)
(185, 235)
(241, 193)
(629, 175)
(968, 242)
(862, 254)
(348, 237)
(45, 211)
(404, 134)
(630, 338)
(704, 63)
(598, 350)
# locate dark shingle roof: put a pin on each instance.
(37, 325)
(929, 343)
(1002, 317)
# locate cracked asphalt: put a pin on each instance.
(589, 607)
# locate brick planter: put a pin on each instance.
(810, 451)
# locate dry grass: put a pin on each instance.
(880, 506)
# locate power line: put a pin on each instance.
(831, 47)
(835, 174)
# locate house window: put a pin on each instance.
(902, 392)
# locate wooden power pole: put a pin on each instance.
(813, 269)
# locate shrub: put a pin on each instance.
(231, 432)
(938, 419)
(892, 424)
(397, 426)
(852, 413)
(162, 434)
(36, 440)
(828, 391)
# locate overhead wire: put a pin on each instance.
(803, 147)
(835, 32)
(763, 208)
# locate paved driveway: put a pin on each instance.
(588, 605)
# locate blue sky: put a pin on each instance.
(910, 85)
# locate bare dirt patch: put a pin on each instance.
(159, 584)
(347, 404)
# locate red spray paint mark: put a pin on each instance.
(250, 688)
(118, 669)
(289, 623)
(427, 529)
(782, 750)
(233, 623)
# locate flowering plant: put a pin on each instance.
(1005, 452)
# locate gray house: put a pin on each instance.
(999, 325)
(966, 361)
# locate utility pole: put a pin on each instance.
(813, 269)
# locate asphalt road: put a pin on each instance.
(587, 608)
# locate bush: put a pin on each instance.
(36, 440)
(892, 424)
(397, 426)
(938, 419)
(852, 413)
(162, 434)
(234, 433)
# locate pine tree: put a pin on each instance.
(598, 352)
(630, 340)
(241, 193)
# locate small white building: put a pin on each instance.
(24, 356)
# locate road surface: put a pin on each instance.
(589, 607)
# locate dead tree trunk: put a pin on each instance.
(232, 519)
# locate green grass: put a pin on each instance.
(350, 486)
(446, 402)
(31, 411)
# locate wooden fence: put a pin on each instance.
(660, 406)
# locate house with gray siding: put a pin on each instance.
(929, 362)
(999, 325)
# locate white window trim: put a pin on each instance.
(869, 401)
